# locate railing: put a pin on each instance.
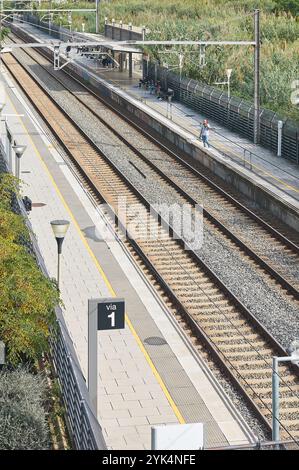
(122, 32)
(234, 113)
(234, 151)
(83, 426)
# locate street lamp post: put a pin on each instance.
(228, 74)
(59, 227)
(2, 354)
(97, 15)
(294, 359)
(19, 150)
(257, 58)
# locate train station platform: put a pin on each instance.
(275, 173)
(279, 172)
(148, 374)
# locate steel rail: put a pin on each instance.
(194, 325)
(265, 265)
(174, 153)
(150, 134)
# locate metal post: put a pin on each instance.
(181, 57)
(113, 26)
(17, 167)
(9, 150)
(256, 130)
(97, 15)
(1, 63)
(50, 23)
(59, 251)
(121, 62)
(143, 33)
(58, 269)
(130, 65)
(279, 135)
(92, 354)
(275, 399)
(120, 30)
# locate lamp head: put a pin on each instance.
(228, 73)
(19, 149)
(60, 227)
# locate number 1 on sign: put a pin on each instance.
(112, 316)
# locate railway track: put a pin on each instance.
(232, 335)
(276, 253)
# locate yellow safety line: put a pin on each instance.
(104, 277)
(258, 168)
(235, 154)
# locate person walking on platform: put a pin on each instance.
(205, 133)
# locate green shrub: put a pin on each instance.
(27, 298)
(23, 423)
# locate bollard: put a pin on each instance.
(279, 136)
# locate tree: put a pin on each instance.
(27, 298)
(27, 303)
(291, 6)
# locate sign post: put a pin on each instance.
(103, 314)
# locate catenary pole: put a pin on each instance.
(97, 15)
(257, 50)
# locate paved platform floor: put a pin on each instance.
(139, 385)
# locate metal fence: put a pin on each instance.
(58, 32)
(235, 114)
(84, 428)
(122, 33)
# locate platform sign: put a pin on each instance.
(111, 314)
(103, 314)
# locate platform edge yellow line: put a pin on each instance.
(103, 275)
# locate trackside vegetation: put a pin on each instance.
(27, 298)
(27, 301)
